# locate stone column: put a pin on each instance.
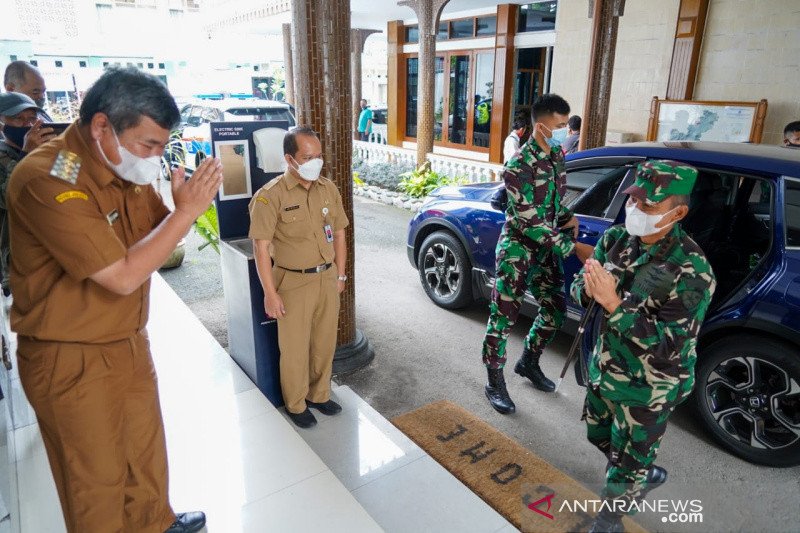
(428, 13)
(321, 60)
(605, 21)
(358, 38)
(288, 67)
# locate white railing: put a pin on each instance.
(379, 133)
(474, 171)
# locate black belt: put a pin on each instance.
(312, 270)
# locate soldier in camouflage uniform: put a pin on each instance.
(538, 234)
(22, 133)
(655, 285)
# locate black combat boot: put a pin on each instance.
(607, 522)
(656, 477)
(528, 366)
(497, 393)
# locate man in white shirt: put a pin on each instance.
(520, 132)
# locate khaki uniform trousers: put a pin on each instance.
(307, 335)
(100, 420)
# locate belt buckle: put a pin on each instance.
(320, 268)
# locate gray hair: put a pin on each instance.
(17, 71)
(125, 94)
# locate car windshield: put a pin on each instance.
(590, 190)
(260, 113)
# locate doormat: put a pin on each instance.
(528, 491)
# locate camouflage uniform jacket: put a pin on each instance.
(9, 157)
(645, 354)
(535, 184)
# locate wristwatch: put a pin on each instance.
(342, 278)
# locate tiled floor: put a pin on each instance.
(236, 457)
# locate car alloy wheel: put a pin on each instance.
(443, 271)
(755, 402)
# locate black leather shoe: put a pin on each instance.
(656, 477)
(607, 522)
(528, 366)
(329, 408)
(497, 393)
(303, 420)
(188, 522)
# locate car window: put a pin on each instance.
(261, 113)
(792, 212)
(590, 190)
(210, 114)
(185, 111)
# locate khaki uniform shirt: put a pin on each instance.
(294, 220)
(65, 226)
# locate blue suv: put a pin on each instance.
(744, 213)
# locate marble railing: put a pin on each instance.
(474, 171)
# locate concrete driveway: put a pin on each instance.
(425, 353)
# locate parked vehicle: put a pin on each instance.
(744, 213)
(196, 118)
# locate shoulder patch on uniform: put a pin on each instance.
(262, 200)
(66, 166)
(71, 195)
(691, 299)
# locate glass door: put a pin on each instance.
(459, 99)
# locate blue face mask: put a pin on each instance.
(558, 137)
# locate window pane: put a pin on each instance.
(529, 58)
(438, 99)
(412, 34)
(522, 88)
(487, 26)
(590, 191)
(460, 29)
(540, 16)
(411, 96)
(442, 35)
(484, 83)
(792, 213)
(459, 83)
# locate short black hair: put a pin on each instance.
(791, 127)
(521, 120)
(290, 139)
(547, 104)
(125, 94)
(574, 123)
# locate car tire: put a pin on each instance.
(198, 158)
(747, 395)
(445, 270)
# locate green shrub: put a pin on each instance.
(207, 227)
(420, 182)
(384, 175)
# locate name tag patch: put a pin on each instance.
(71, 195)
(291, 208)
(112, 217)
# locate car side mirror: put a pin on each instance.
(499, 199)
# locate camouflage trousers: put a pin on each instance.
(629, 437)
(523, 265)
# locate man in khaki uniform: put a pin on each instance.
(87, 232)
(301, 216)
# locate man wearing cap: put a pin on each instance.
(22, 133)
(653, 285)
(299, 216)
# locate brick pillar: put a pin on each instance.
(321, 53)
(358, 38)
(605, 21)
(428, 13)
(288, 67)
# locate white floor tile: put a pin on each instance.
(320, 503)
(38, 500)
(28, 442)
(423, 496)
(359, 445)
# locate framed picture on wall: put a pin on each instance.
(693, 121)
(235, 158)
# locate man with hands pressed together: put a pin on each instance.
(299, 215)
(538, 234)
(654, 285)
(87, 232)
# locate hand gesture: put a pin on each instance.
(573, 225)
(193, 196)
(37, 136)
(601, 285)
(273, 305)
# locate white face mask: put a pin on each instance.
(310, 170)
(640, 224)
(132, 168)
